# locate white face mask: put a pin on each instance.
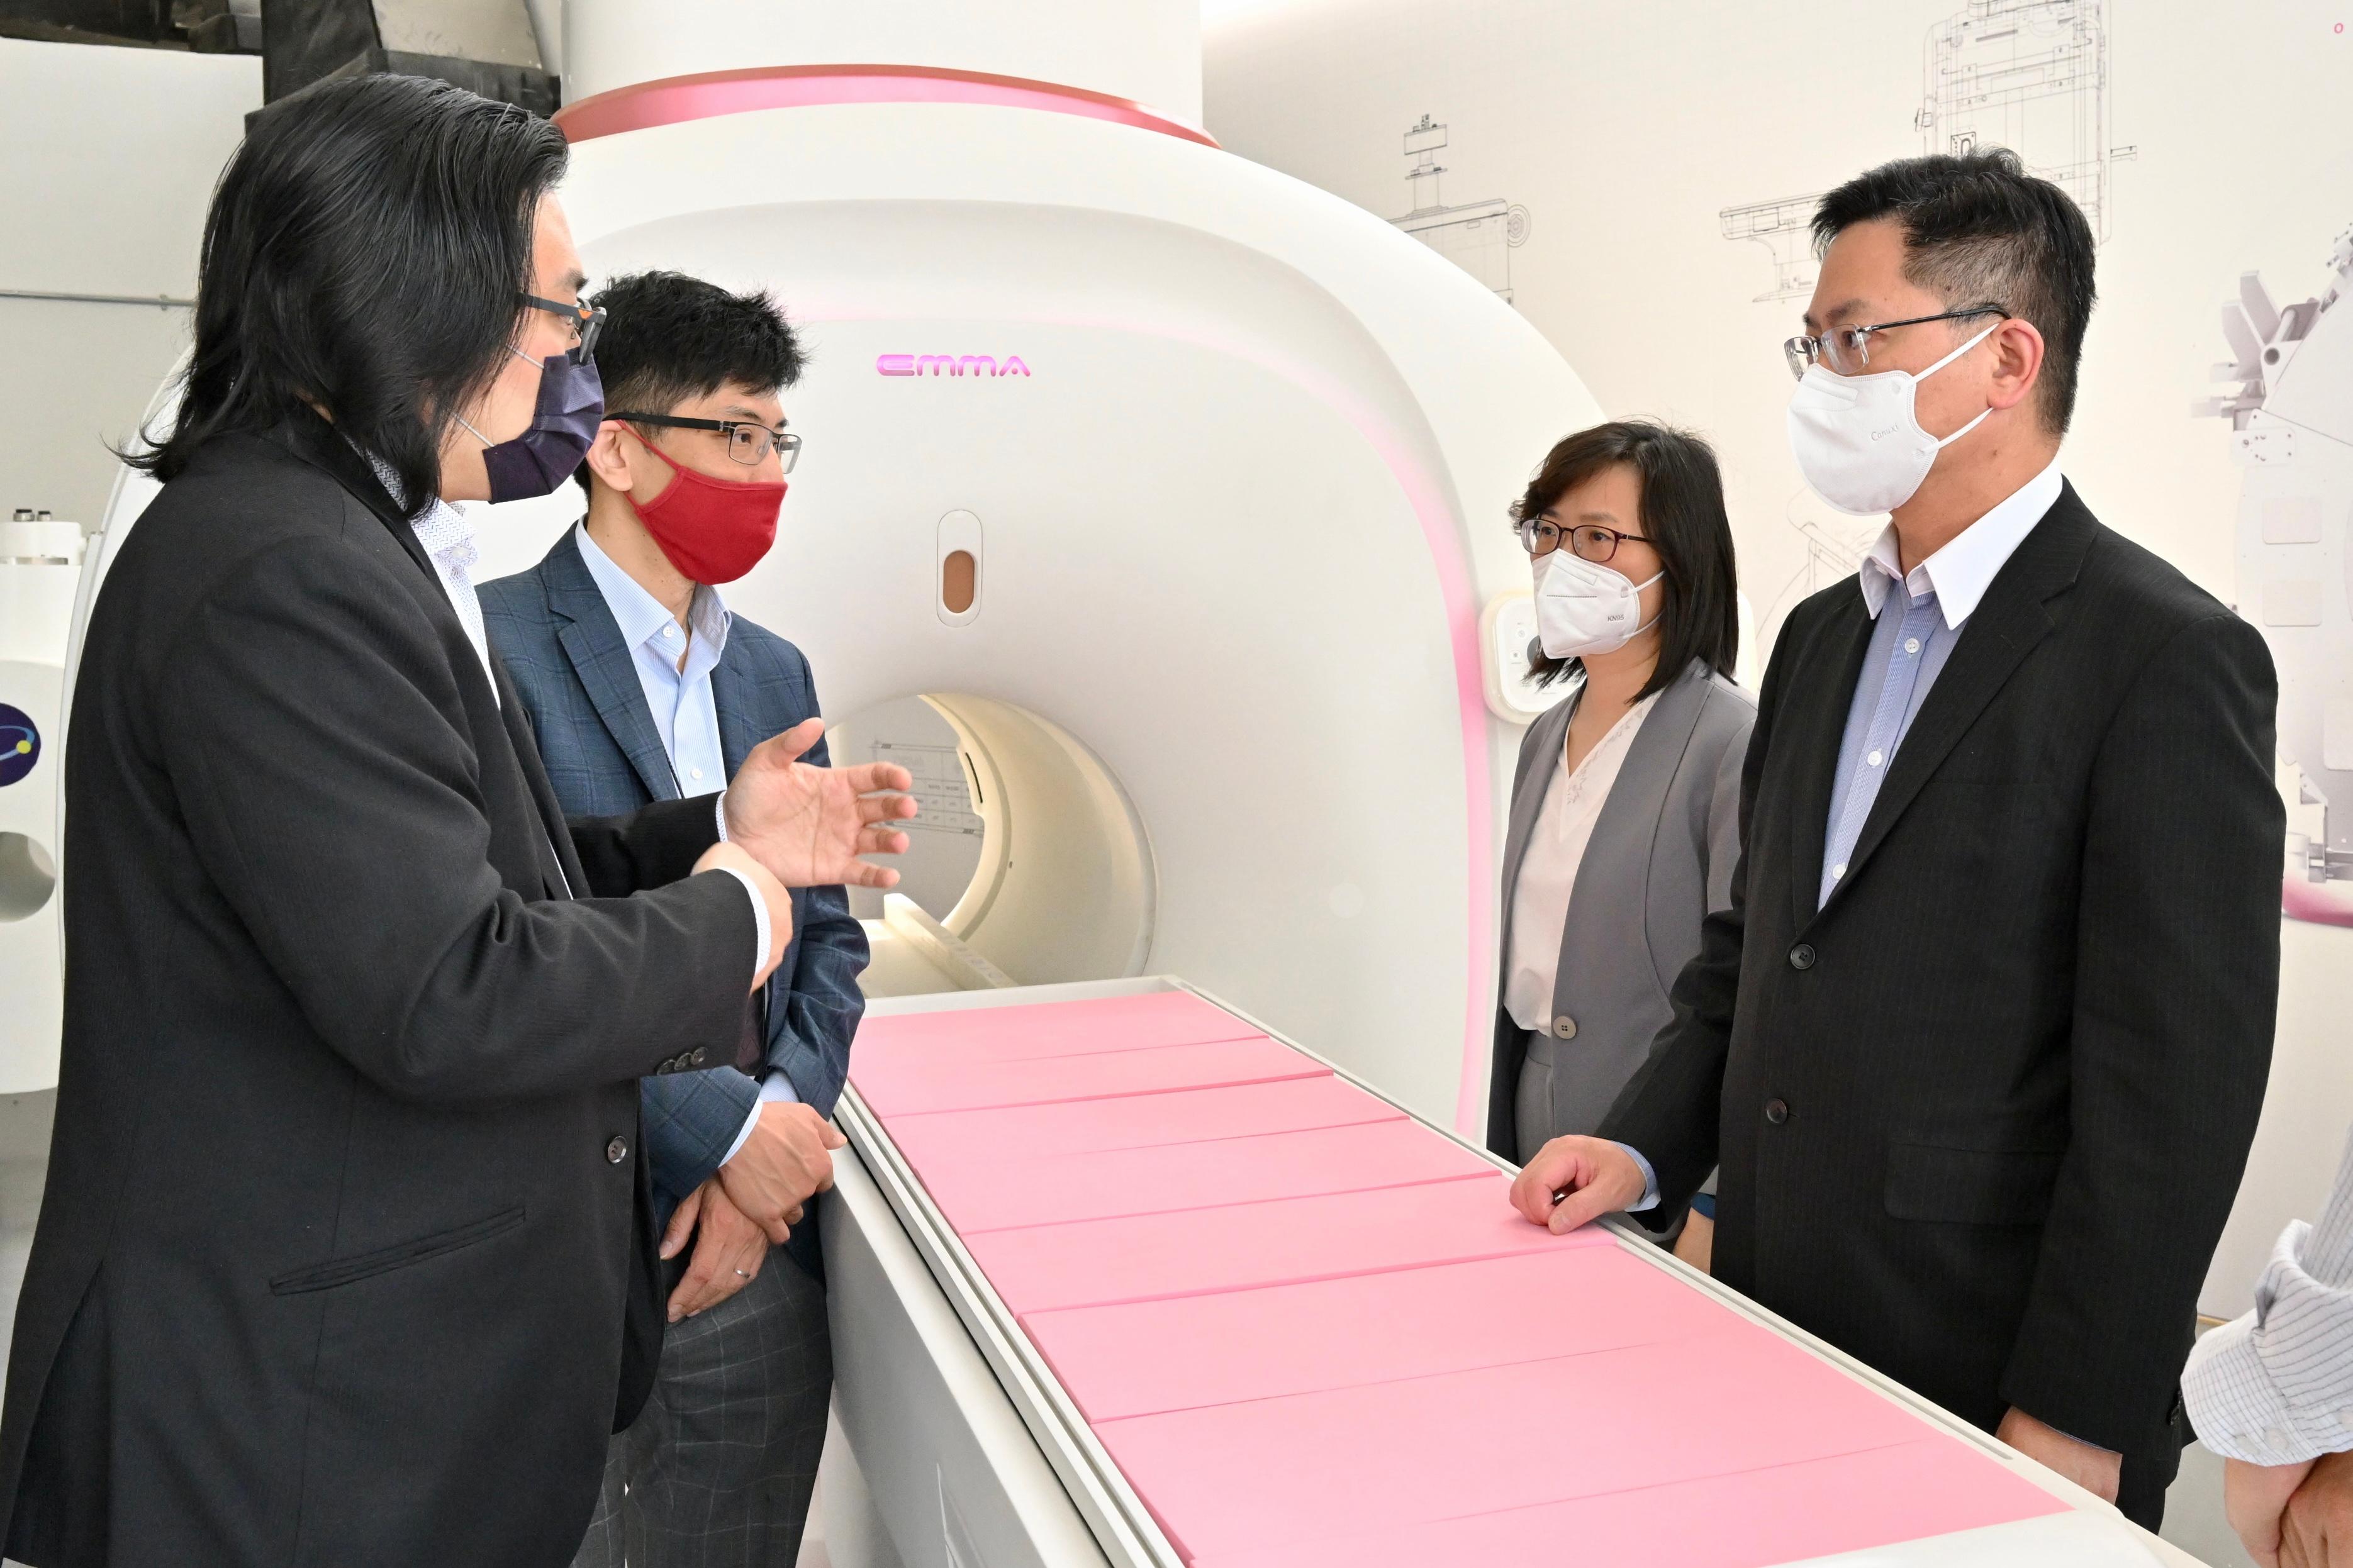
(1583, 610)
(1858, 442)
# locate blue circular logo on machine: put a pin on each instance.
(20, 744)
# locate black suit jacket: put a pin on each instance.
(1981, 1116)
(343, 1202)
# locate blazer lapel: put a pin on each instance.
(560, 865)
(1617, 858)
(1822, 691)
(732, 694)
(606, 669)
(2007, 624)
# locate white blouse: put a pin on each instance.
(1564, 825)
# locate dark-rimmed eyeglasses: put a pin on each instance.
(1588, 540)
(749, 440)
(585, 321)
(1846, 351)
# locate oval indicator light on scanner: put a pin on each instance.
(956, 573)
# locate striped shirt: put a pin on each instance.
(2275, 1387)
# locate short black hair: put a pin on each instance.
(1978, 229)
(366, 254)
(1682, 517)
(669, 338)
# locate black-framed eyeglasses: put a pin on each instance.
(585, 321)
(749, 440)
(1846, 351)
(1588, 540)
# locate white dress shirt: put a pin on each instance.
(685, 713)
(2275, 1387)
(1563, 827)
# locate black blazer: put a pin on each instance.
(343, 1206)
(1981, 1116)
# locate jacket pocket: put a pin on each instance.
(1970, 1186)
(399, 1255)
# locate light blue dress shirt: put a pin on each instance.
(1907, 652)
(685, 713)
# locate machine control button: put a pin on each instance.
(1776, 1112)
(1801, 956)
(616, 1151)
(1564, 1027)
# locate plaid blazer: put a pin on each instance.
(556, 638)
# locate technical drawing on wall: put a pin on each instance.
(2289, 398)
(2028, 75)
(1478, 236)
(1834, 548)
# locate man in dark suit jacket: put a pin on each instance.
(642, 687)
(1981, 1041)
(344, 1202)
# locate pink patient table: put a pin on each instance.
(1308, 1329)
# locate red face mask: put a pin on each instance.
(713, 530)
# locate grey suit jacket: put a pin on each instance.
(1661, 856)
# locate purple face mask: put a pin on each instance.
(563, 427)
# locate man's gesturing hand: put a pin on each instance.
(809, 825)
(768, 890)
(784, 1161)
(1597, 1177)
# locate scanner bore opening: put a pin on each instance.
(1027, 866)
(28, 877)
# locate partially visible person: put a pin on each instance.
(642, 686)
(1980, 1043)
(2271, 1391)
(1625, 820)
(344, 1254)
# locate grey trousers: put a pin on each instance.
(718, 1470)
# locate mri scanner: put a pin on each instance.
(1153, 510)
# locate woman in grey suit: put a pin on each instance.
(1625, 809)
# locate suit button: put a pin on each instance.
(1801, 957)
(699, 1054)
(1776, 1112)
(1564, 1027)
(616, 1151)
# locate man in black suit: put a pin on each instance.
(1981, 1041)
(346, 1253)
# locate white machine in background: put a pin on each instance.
(2290, 405)
(40, 566)
(1176, 486)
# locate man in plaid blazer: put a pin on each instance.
(640, 685)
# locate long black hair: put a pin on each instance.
(1684, 518)
(365, 256)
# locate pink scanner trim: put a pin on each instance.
(686, 98)
(679, 97)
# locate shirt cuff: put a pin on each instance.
(1649, 1178)
(2264, 1388)
(719, 805)
(760, 920)
(743, 1133)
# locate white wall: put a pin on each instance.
(1626, 130)
(111, 158)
